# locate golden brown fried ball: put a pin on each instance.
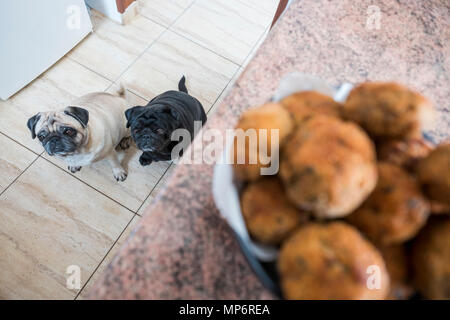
(396, 260)
(269, 116)
(396, 209)
(303, 105)
(388, 110)
(330, 261)
(404, 153)
(268, 214)
(434, 174)
(328, 167)
(431, 259)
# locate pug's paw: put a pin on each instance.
(145, 160)
(120, 175)
(74, 169)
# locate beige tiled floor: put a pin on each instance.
(51, 219)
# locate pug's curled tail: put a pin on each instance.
(121, 91)
(182, 85)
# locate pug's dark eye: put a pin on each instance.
(69, 132)
(41, 137)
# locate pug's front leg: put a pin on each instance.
(118, 171)
(145, 159)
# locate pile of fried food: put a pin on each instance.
(360, 206)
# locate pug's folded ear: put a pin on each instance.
(82, 115)
(31, 124)
(132, 113)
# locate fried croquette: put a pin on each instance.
(328, 167)
(303, 105)
(268, 214)
(331, 261)
(395, 211)
(434, 174)
(388, 110)
(404, 153)
(248, 158)
(431, 259)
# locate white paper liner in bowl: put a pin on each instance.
(225, 193)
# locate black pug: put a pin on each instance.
(152, 125)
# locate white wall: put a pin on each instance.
(34, 34)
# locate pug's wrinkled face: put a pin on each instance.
(61, 133)
(151, 128)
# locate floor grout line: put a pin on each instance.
(90, 69)
(170, 24)
(241, 67)
(150, 45)
(204, 47)
(7, 136)
(190, 39)
(262, 11)
(1, 193)
(92, 187)
(103, 259)
(209, 49)
(136, 94)
(154, 187)
(223, 90)
(115, 242)
(137, 58)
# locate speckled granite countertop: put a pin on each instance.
(182, 248)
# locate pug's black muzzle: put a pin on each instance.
(148, 141)
(58, 144)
